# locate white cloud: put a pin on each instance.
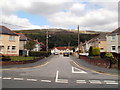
(63, 13)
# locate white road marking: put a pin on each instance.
(7, 78)
(0, 77)
(95, 81)
(78, 70)
(32, 80)
(110, 82)
(60, 80)
(18, 78)
(45, 81)
(56, 78)
(81, 81)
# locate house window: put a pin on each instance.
(13, 48)
(8, 48)
(113, 48)
(0, 37)
(113, 38)
(102, 48)
(12, 38)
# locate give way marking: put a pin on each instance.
(60, 80)
(76, 70)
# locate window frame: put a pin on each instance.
(14, 49)
(12, 38)
(113, 39)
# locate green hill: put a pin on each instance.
(58, 37)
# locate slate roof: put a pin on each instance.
(116, 31)
(5, 30)
(22, 37)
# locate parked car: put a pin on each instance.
(66, 54)
(55, 53)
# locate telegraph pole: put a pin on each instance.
(47, 40)
(78, 42)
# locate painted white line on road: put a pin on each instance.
(78, 70)
(81, 81)
(45, 81)
(0, 77)
(60, 80)
(18, 78)
(95, 81)
(7, 78)
(32, 80)
(111, 83)
(56, 78)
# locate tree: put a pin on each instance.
(30, 45)
(91, 51)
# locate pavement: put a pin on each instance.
(40, 62)
(87, 65)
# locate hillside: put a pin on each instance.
(59, 37)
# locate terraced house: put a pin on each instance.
(113, 41)
(9, 42)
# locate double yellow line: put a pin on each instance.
(93, 70)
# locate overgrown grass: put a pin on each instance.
(20, 58)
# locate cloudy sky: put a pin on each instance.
(97, 15)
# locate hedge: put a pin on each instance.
(96, 51)
(40, 53)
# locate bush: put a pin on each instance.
(111, 58)
(6, 58)
(91, 51)
(39, 54)
(96, 51)
(109, 55)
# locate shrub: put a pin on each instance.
(109, 55)
(91, 51)
(111, 58)
(39, 54)
(6, 58)
(96, 51)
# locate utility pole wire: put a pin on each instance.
(78, 42)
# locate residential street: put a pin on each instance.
(57, 72)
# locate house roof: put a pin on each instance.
(22, 37)
(116, 31)
(62, 48)
(41, 43)
(5, 30)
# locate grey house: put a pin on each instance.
(113, 41)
